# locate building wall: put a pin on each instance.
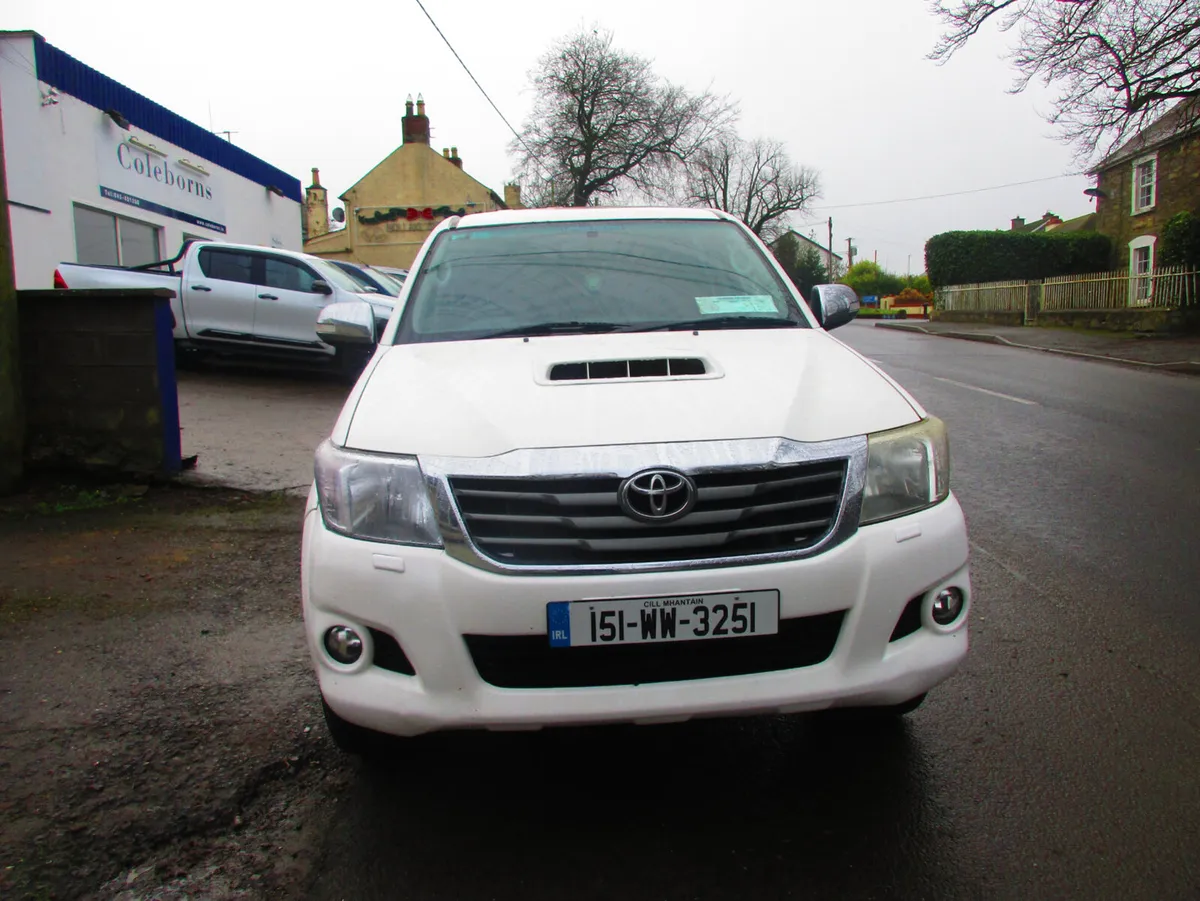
(412, 176)
(61, 154)
(1178, 190)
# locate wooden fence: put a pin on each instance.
(1168, 288)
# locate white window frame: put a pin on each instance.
(158, 229)
(1152, 159)
(1141, 285)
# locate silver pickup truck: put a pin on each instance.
(237, 299)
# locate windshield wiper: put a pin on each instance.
(722, 322)
(571, 327)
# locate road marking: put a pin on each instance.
(1019, 400)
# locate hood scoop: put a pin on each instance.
(661, 368)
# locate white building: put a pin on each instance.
(97, 173)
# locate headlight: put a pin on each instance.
(908, 469)
(377, 498)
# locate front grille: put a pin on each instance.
(528, 661)
(579, 521)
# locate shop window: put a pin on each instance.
(112, 240)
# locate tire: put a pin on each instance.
(352, 739)
(873, 717)
(905, 708)
(351, 361)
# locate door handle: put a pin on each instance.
(268, 297)
(201, 288)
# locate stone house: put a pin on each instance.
(390, 211)
(1146, 181)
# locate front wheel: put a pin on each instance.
(351, 738)
(351, 360)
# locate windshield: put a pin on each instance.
(370, 280)
(334, 275)
(621, 275)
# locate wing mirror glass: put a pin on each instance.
(833, 305)
(319, 286)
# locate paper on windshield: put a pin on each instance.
(733, 304)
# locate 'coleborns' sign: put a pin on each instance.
(159, 184)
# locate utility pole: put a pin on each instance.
(829, 262)
(849, 252)
(12, 424)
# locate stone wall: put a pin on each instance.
(993, 317)
(98, 379)
(1177, 191)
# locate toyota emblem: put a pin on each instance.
(657, 495)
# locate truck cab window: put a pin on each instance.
(227, 265)
(286, 275)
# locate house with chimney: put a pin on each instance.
(388, 213)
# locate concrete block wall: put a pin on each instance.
(98, 378)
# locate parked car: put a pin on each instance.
(635, 479)
(240, 299)
(369, 279)
(398, 274)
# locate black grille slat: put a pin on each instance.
(627, 369)
(528, 661)
(563, 521)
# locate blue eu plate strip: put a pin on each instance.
(558, 623)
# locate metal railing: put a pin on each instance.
(1165, 288)
(987, 297)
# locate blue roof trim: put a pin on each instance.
(70, 76)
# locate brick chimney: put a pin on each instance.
(1017, 222)
(454, 157)
(415, 127)
(316, 208)
(512, 197)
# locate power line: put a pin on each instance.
(1014, 184)
(516, 134)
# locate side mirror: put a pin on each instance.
(833, 305)
(319, 286)
(340, 324)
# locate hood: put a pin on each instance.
(488, 397)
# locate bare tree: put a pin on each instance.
(754, 180)
(1119, 64)
(603, 120)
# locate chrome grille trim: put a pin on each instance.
(622, 461)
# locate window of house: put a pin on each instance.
(112, 240)
(1145, 189)
(1141, 268)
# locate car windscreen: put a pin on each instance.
(611, 275)
(335, 276)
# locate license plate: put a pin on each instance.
(695, 617)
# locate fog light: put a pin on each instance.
(947, 606)
(343, 644)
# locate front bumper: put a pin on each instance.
(428, 601)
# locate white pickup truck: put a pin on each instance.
(238, 299)
(607, 465)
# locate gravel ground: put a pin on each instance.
(161, 731)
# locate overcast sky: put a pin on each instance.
(844, 83)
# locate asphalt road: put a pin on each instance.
(1062, 762)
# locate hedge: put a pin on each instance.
(963, 258)
(1179, 244)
